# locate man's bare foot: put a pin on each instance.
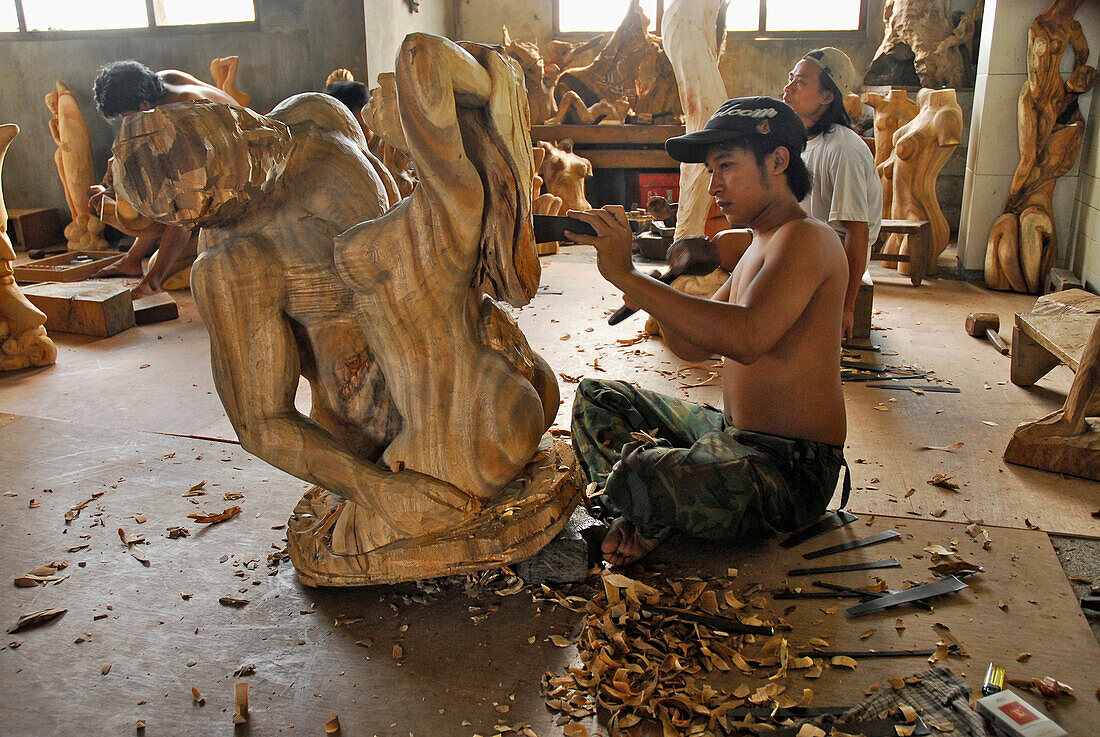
(623, 544)
(122, 267)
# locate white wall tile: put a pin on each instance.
(998, 144)
(983, 200)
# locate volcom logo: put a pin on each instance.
(763, 128)
(764, 112)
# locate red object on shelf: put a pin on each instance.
(665, 185)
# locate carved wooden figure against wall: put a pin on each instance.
(921, 148)
(224, 72)
(429, 406)
(921, 45)
(694, 45)
(74, 165)
(23, 341)
(1023, 244)
(564, 173)
(543, 203)
(1066, 441)
(892, 110)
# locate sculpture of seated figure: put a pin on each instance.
(429, 407)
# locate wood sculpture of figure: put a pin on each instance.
(387, 141)
(921, 46)
(1066, 441)
(23, 341)
(74, 165)
(564, 173)
(631, 65)
(921, 148)
(572, 110)
(224, 72)
(428, 403)
(540, 90)
(694, 43)
(892, 111)
(543, 203)
(1023, 244)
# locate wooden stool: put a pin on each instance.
(1061, 279)
(861, 326)
(1054, 332)
(919, 257)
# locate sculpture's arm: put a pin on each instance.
(240, 293)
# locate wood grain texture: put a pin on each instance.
(1023, 243)
(427, 400)
(97, 308)
(74, 166)
(693, 46)
(921, 147)
(23, 341)
(539, 83)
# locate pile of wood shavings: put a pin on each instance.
(686, 676)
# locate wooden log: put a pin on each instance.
(1023, 243)
(96, 308)
(428, 403)
(693, 45)
(23, 341)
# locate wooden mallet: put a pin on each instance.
(986, 325)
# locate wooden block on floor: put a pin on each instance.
(861, 328)
(158, 307)
(35, 227)
(1059, 280)
(71, 266)
(96, 308)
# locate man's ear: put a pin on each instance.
(780, 160)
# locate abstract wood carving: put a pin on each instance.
(339, 75)
(922, 46)
(693, 45)
(23, 341)
(632, 65)
(425, 440)
(892, 111)
(1066, 441)
(224, 72)
(921, 148)
(1023, 243)
(74, 165)
(564, 173)
(540, 88)
(387, 141)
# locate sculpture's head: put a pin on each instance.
(197, 163)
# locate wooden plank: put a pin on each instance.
(159, 307)
(100, 309)
(628, 159)
(65, 267)
(616, 134)
(35, 227)
(1063, 336)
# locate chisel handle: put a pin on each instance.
(996, 339)
(624, 312)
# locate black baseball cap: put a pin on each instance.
(742, 117)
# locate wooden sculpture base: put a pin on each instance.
(1049, 446)
(529, 513)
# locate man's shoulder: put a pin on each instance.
(844, 139)
(806, 235)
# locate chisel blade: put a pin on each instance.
(837, 519)
(868, 566)
(947, 585)
(863, 542)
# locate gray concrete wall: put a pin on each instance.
(1084, 239)
(294, 48)
(389, 21)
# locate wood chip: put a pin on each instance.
(945, 448)
(866, 634)
(232, 601)
(197, 697)
(332, 726)
(575, 729)
(908, 713)
(212, 519)
(240, 702)
(844, 661)
(1022, 657)
(943, 481)
(559, 641)
(398, 652)
(896, 683)
(105, 668)
(34, 619)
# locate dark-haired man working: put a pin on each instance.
(127, 87)
(770, 461)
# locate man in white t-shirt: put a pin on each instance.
(847, 193)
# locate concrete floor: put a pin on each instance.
(136, 417)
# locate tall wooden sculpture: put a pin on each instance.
(922, 45)
(540, 88)
(387, 141)
(224, 72)
(693, 42)
(921, 148)
(429, 407)
(543, 203)
(892, 111)
(74, 165)
(1023, 243)
(23, 341)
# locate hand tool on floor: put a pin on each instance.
(878, 537)
(868, 566)
(947, 585)
(986, 325)
(837, 519)
(694, 262)
(726, 624)
(921, 387)
(865, 593)
(911, 653)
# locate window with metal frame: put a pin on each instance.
(80, 15)
(759, 17)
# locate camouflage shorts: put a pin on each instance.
(704, 476)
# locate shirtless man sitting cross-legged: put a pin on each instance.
(126, 87)
(771, 460)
